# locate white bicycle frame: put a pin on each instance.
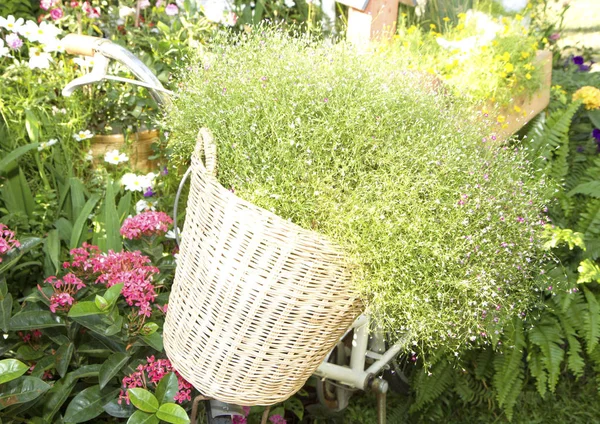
(368, 344)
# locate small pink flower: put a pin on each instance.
(56, 13)
(47, 4)
(147, 224)
(277, 419)
(172, 9)
(13, 41)
(144, 4)
(7, 240)
(554, 36)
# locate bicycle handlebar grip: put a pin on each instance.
(82, 45)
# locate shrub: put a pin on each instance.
(440, 222)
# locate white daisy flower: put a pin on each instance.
(83, 135)
(11, 24)
(89, 156)
(133, 182)
(144, 205)
(45, 144)
(3, 50)
(114, 157)
(39, 59)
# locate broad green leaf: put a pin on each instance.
(594, 116)
(76, 234)
(63, 358)
(154, 340)
(21, 390)
(83, 309)
(11, 369)
(119, 410)
(143, 400)
(106, 324)
(172, 413)
(52, 251)
(61, 390)
(149, 328)
(167, 388)
(31, 320)
(32, 125)
(13, 255)
(112, 294)
(111, 367)
(88, 404)
(124, 204)
(140, 417)
(65, 228)
(15, 154)
(44, 364)
(77, 195)
(296, 406)
(29, 353)
(28, 199)
(5, 312)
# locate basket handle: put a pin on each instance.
(205, 144)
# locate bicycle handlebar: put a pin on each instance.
(82, 45)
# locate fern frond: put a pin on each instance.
(592, 323)
(484, 367)
(538, 371)
(589, 222)
(588, 271)
(430, 385)
(575, 361)
(547, 335)
(591, 188)
(509, 366)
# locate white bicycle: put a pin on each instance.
(359, 359)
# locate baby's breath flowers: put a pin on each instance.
(441, 228)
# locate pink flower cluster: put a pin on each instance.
(274, 419)
(147, 223)
(7, 240)
(129, 268)
(64, 290)
(91, 12)
(153, 372)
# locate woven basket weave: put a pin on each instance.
(257, 302)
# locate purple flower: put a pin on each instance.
(172, 9)
(13, 41)
(580, 149)
(585, 68)
(555, 36)
(149, 192)
(277, 419)
(578, 60)
(165, 171)
(596, 134)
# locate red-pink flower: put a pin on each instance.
(147, 223)
(7, 240)
(152, 372)
(56, 13)
(62, 298)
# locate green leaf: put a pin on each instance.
(88, 404)
(112, 294)
(594, 116)
(52, 251)
(77, 196)
(149, 328)
(154, 340)
(5, 312)
(65, 228)
(106, 324)
(11, 369)
(124, 204)
(32, 125)
(76, 234)
(119, 410)
(295, 405)
(31, 320)
(547, 335)
(101, 303)
(588, 271)
(22, 390)
(172, 413)
(111, 367)
(28, 200)
(15, 154)
(83, 309)
(63, 358)
(591, 188)
(592, 324)
(142, 399)
(140, 417)
(167, 388)
(13, 255)
(114, 241)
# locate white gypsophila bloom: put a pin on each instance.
(45, 144)
(289, 3)
(144, 205)
(114, 157)
(3, 50)
(83, 135)
(513, 5)
(215, 10)
(11, 24)
(125, 11)
(133, 182)
(89, 156)
(39, 59)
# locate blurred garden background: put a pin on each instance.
(455, 159)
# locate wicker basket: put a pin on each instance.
(257, 302)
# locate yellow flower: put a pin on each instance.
(529, 67)
(519, 17)
(590, 97)
(506, 56)
(411, 29)
(494, 43)
(517, 109)
(528, 75)
(431, 70)
(509, 67)
(505, 20)
(405, 43)
(503, 74)
(545, 40)
(404, 15)
(501, 118)
(462, 16)
(484, 48)
(529, 6)
(460, 26)
(446, 19)
(535, 46)
(504, 126)
(432, 26)
(525, 55)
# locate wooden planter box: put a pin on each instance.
(138, 148)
